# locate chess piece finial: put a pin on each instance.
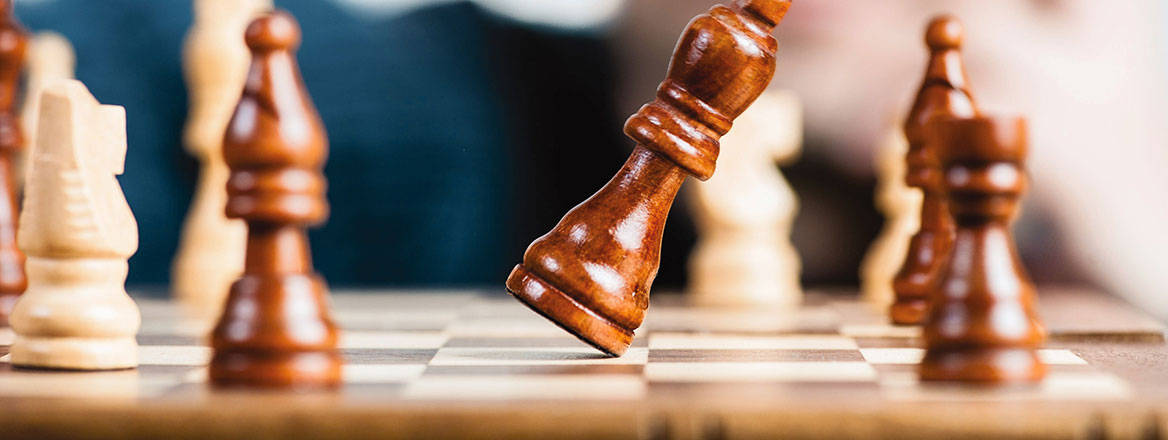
(211, 252)
(901, 206)
(275, 330)
(745, 212)
(592, 273)
(13, 43)
(982, 325)
(50, 58)
(944, 92)
(78, 232)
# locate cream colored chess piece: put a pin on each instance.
(49, 58)
(77, 232)
(745, 212)
(901, 206)
(211, 253)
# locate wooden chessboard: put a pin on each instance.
(482, 365)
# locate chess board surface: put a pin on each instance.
(466, 363)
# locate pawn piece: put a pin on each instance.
(50, 57)
(982, 326)
(944, 92)
(211, 251)
(592, 273)
(13, 41)
(275, 330)
(744, 255)
(901, 206)
(78, 232)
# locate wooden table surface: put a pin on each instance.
(480, 365)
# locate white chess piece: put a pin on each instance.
(745, 212)
(77, 232)
(211, 252)
(49, 57)
(901, 206)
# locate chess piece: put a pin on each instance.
(50, 57)
(944, 92)
(592, 273)
(78, 232)
(275, 330)
(982, 326)
(744, 255)
(13, 42)
(901, 206)
(211, 251)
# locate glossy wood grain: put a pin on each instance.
(982, 325)
(13, 42)
(592, 273)
(276, 329)
(943, 92)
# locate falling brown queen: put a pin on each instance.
(592, 273)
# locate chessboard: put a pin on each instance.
(480, 364)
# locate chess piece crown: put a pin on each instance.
(944, 92)
(592, 273)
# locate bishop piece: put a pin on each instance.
(275, 329)
(944, 92)
(592, 273)
(982, 326)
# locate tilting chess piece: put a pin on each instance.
(50, 58)
(901, 206)
(944, 92)
(211, 252)
(12, 50)
(744, 255)
(78, 232)
(592, 273)
(275, 330)
(982, 325)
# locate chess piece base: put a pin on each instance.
(72, 353)
(909, 311)
(569, 314)
(991, 365)
(252, 368)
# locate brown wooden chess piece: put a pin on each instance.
(13, 42)
(592, 273)
(944, 92)
(275, 329)
(982, 325)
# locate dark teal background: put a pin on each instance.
(456, 137)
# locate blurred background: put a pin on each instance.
(462, 130)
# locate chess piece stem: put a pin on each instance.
(944, 92)
(13, 43)
(275, 330)
(982, 326)
(592, 273)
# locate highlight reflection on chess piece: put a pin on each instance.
(745, 211)
(211, 252)
(982, 326)
(592, 273)
(13, 42)
(275, 330)
(901, 206)
(78, 232)
(944, 92)
(50, 58)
